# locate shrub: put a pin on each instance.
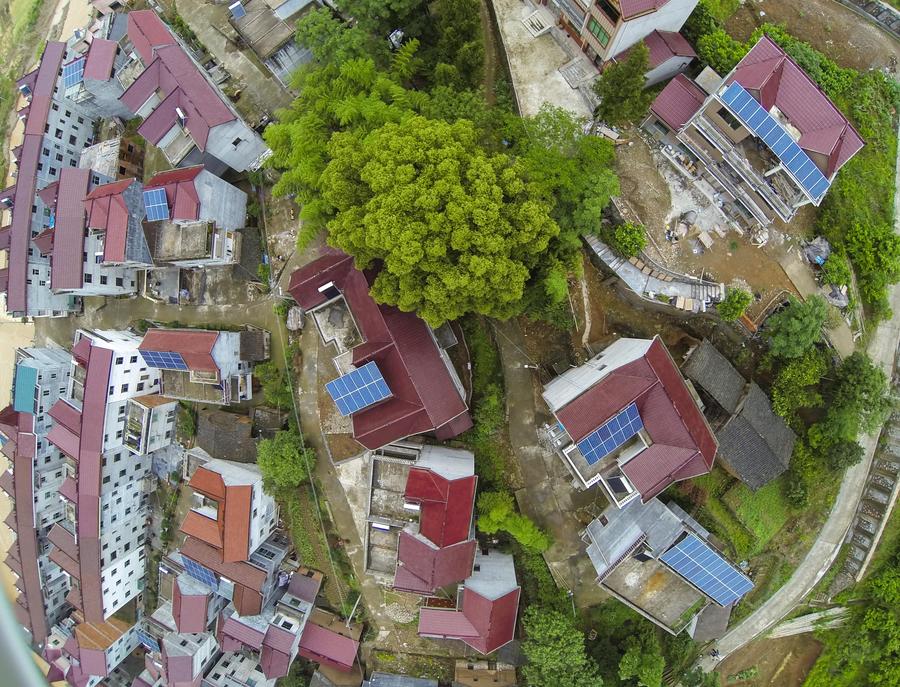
(836, 270)
(284, 461)
(626, 239)
(496, 511)
(734, 304)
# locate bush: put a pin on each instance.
(284, 461)
(836, 270)
(734, 304)
(496, 511)
(797, 328)
(628, 239)
(264, 272)
(275, 385)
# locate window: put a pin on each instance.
(119, 283)
(730, 119)
(124, 388)
(598, 32)
(57, 134)
(119, 360)
(236, 142)
(103, 278)
(68, 113)
(59, 157)
(132, 359)
(88, 278)
(140, 386)
(72, 140)
(55, 107)
(106, 481)
(81, 120)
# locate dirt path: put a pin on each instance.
(837, 31)
(490, 53)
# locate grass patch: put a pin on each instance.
(770, 576)
(723, 9)
(728, 528)
(416, 665)
(763, 512)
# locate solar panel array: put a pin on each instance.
(156, 205)
(696, 562)
(73, 73)
(148, 640)
(358, 389)
(237, 10)
(611, 435)
(200, 573)
(164, 360)
(780, 142)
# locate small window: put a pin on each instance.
(124, 388)
(236, 142)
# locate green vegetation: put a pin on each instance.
(284, 461)
(497, 511)
(187, 421)
(763, 512)
(264, 272)
(555, 650)
(468, 207)
(836, 270)
(275, 385)
(866, 649)
(796, 385)
(734, 304)
(857, 216)
(797, 328)
(620, 88)
(628, 239)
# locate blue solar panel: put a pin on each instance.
(148, 640)
(73, 73)
(761, 123)
(164, 360)
(358, 389)
(237, 10)
(200, 573)
(611, 435)
(156, 205)
(696, 562)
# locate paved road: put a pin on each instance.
(882, 350)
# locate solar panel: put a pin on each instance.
(148, 640)
(156, 205)
(611, 435)
(73, 73)
(696, 562)
(780, 142)
(200, 573)
(164, 360)
(358, 389)
(237, 10)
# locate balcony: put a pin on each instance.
(573, 10)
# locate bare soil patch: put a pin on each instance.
(779, 662)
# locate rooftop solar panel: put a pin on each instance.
(148, 640)
(73, 73)
(705, 569)
(611, 435)
(358, 389)
(164, 360)
(765, 126)
(156, 205)
(200, 573)
(237, 10)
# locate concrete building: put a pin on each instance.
(418, 388)
(606, 28)
(116, 158)
(205, 366)
(32, 483)
(766, 138)
(627, 419)
(56, 131)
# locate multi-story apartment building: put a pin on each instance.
(606, 28)
(202, 365)
(766, 137)
(33, 483)
(100, 541)
(56, 131)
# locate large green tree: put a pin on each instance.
(555, 651)
(331, 41)
(496, 511)
(796, 328)
(283, 460)
(460, 45)
(620, 88)
(796, 384)
(455, 229)
(642, 664)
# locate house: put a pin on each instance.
(226, 435)
(379, 346)
(606, 28)
(99, 542)
(116, 158)
(766, 136)
(114, 213)
(268, 27)
(755, 444)
(659, 561)
(485, 618)
(32, 482)
(192, 218)
(205, 366)
(56, 130)
(331, 642)
(627, 419)
(481, 673)
(670, 54)
(185, 114)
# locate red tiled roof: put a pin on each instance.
(48, 193)
(422, 568)
(246, 635)
(483, 624)
(147, 31)
(101, 56)
(64, 412)
(305, 587)
(68, 241)
(678, 102)
(44, 242)
(324, 646)
(43, 83)
(107, 211)
(664, 45)
(69, 490)
(775, 80)
(424, 397)
(194, 345)
(181, 193)
(274, 664)
(249, 580)
(677, 428)
(633, 8)
(183, 86)
(446, 506)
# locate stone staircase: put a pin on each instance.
(538, 23)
